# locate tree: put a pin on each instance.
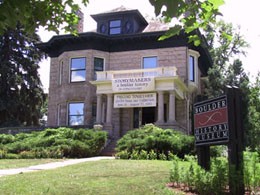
(20, 87)
(225, 43)
(189, 15)
(253, 140)
(31, 14)
(53, 14)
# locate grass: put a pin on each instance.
(19, 163)
(100, 177)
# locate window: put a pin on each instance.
(94, 112)
(192, 68)
(58, 114)
(76, 113)
(98, 66)
(77, 69)
(60, 72)
(115, 27)
(149, 62)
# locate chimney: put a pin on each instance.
(80, 25)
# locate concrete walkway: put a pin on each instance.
(52, 165)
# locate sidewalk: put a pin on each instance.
(52, 165)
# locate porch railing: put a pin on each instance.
(152, 72)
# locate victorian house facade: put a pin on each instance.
(122, 77)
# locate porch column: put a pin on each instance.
(160, 107)
(99, 109)
(109, 108)
(172, 118)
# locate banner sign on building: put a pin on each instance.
(211, 121)
(135, 100)
(133, 84)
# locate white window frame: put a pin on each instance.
(195, 56)
(68, 111)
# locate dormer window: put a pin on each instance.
(115, 27)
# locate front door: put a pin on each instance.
(143, 116)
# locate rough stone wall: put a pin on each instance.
(181, 113)
(61, 93)
(167, 57)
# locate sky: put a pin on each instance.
(239, 12)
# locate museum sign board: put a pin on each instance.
(211, 121)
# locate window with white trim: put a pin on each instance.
(78, 69)
(193, 69)
(76, 113)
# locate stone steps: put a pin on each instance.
(109, 150)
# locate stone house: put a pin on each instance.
(122, 77)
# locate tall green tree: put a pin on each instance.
(226, 45)
(20, 87)
(253, 140)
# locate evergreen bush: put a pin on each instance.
(54, 143)
(161, 141)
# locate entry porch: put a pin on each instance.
(128, 99)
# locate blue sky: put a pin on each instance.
(239, 12)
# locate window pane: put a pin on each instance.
(78, 63)
(98, 64)
(115, 23)
(114, 31)
(78, 75)
(76, 108)
(115, 27)
(149, 62)
(192, 68)
(76, 114)
(76, 120)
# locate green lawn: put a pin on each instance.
(113, 177)
(19, 163)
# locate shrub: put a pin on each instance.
(122, 155)
(143, 155)
(56, 143)
(152, 138)
(152, 155)
(5, 139)
(196, 178)
(251, 171)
